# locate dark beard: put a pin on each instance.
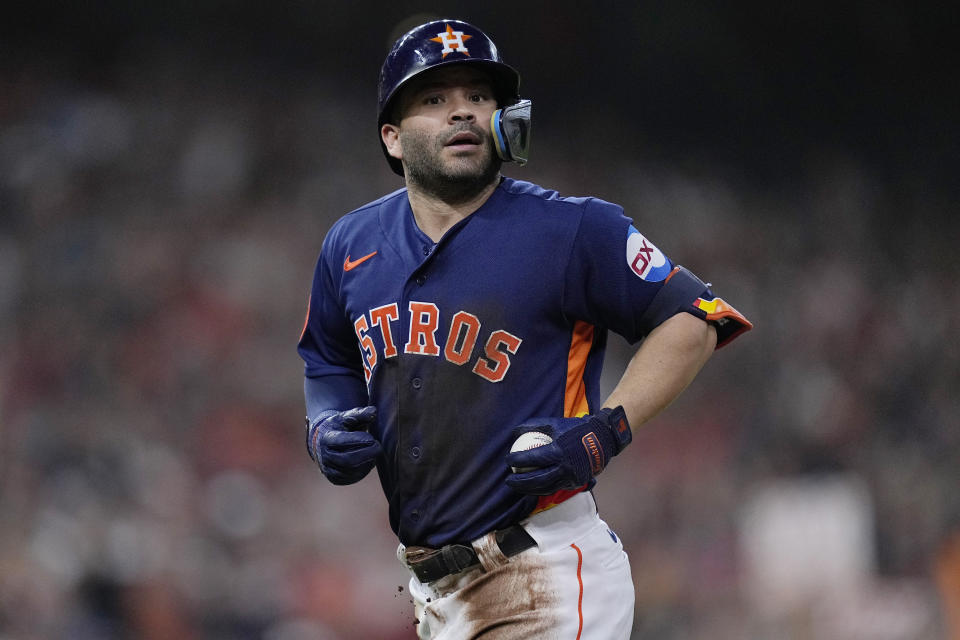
(423, 168)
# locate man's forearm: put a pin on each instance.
(667, 361)
(340, 392)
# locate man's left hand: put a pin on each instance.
(580, 450)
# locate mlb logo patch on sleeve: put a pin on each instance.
(644, 259)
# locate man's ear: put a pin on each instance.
(390, 134)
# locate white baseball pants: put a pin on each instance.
(574, 585)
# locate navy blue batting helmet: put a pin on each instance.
(436, 43)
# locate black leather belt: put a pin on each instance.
(432, 564)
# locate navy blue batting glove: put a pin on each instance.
(580, 450)
(341, 445)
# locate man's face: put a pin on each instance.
(443, 136)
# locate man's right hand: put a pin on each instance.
(340, 443)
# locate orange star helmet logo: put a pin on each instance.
(452, 41)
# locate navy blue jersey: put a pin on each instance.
(504, 319)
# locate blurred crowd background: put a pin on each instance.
(167, 174)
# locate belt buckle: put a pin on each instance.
(429, 564)
(415, 555)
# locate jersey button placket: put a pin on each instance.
(416, 383)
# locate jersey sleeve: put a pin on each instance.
(617, 278)
(327, 343)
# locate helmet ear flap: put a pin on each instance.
(511, 132)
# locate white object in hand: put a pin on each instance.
(529, 440)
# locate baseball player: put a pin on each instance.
(449, 317)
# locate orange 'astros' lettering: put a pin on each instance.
(423, 321)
